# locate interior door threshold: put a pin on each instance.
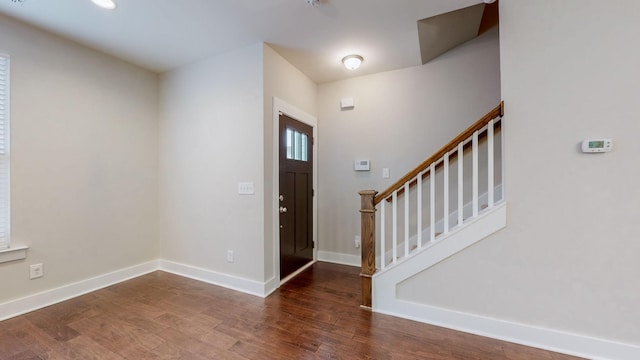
(295, 273)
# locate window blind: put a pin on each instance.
(5, 192)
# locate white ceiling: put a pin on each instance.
(164, 34)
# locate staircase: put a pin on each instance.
(449, 202)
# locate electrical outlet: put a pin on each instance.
(357, 241)
(36, 271)
(230, 256)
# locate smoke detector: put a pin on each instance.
(313, 3)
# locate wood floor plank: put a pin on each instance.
(9, 344)
(89, 349)
(164, 316)
(170, 350)
(29, 337)
(53, 325)
(25, 355)
(218, 339)
(190, 343)
(115, 334)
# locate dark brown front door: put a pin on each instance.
(296, 195)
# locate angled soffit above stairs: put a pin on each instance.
(441, 33)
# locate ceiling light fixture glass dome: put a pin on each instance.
(352, 62)
(105, 4)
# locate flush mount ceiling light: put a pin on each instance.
(105, 4)
(352, 62)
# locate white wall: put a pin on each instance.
(568, 259)
(287, 83)
(211, 138)
(400, 118)
(84, 161)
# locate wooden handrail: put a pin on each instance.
(497, 111)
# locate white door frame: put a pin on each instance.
(280, 106)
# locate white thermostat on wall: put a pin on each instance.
(361, 165)
(597, 145)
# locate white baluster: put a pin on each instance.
(432, 183)
(502, 184)
(394, 227)
(406, 219)
(460, 183)
(474, 181)
(490, 165)
(446, 193)
(419, 210)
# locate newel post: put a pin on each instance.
(368, 228)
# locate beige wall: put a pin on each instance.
(86, 187)
(84, 161)
(568, 259)
(217, 130)
(284, 81)
(211, 138)
(400, 118)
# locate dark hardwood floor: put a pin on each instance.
(163, 316)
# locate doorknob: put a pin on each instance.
(283, 209)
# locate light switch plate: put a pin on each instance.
(246, 188)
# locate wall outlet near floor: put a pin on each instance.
(36, 271)
(229, 255)
(357, 241)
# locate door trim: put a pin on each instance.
(280, 106)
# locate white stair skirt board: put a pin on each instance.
(53, 296)
(439, 228)
(338, 258)
(433, 252)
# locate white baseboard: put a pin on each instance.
(338, 258)
(552, 340)
(49, 297)
(270, 286)
(548, 339)
(237, 283)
